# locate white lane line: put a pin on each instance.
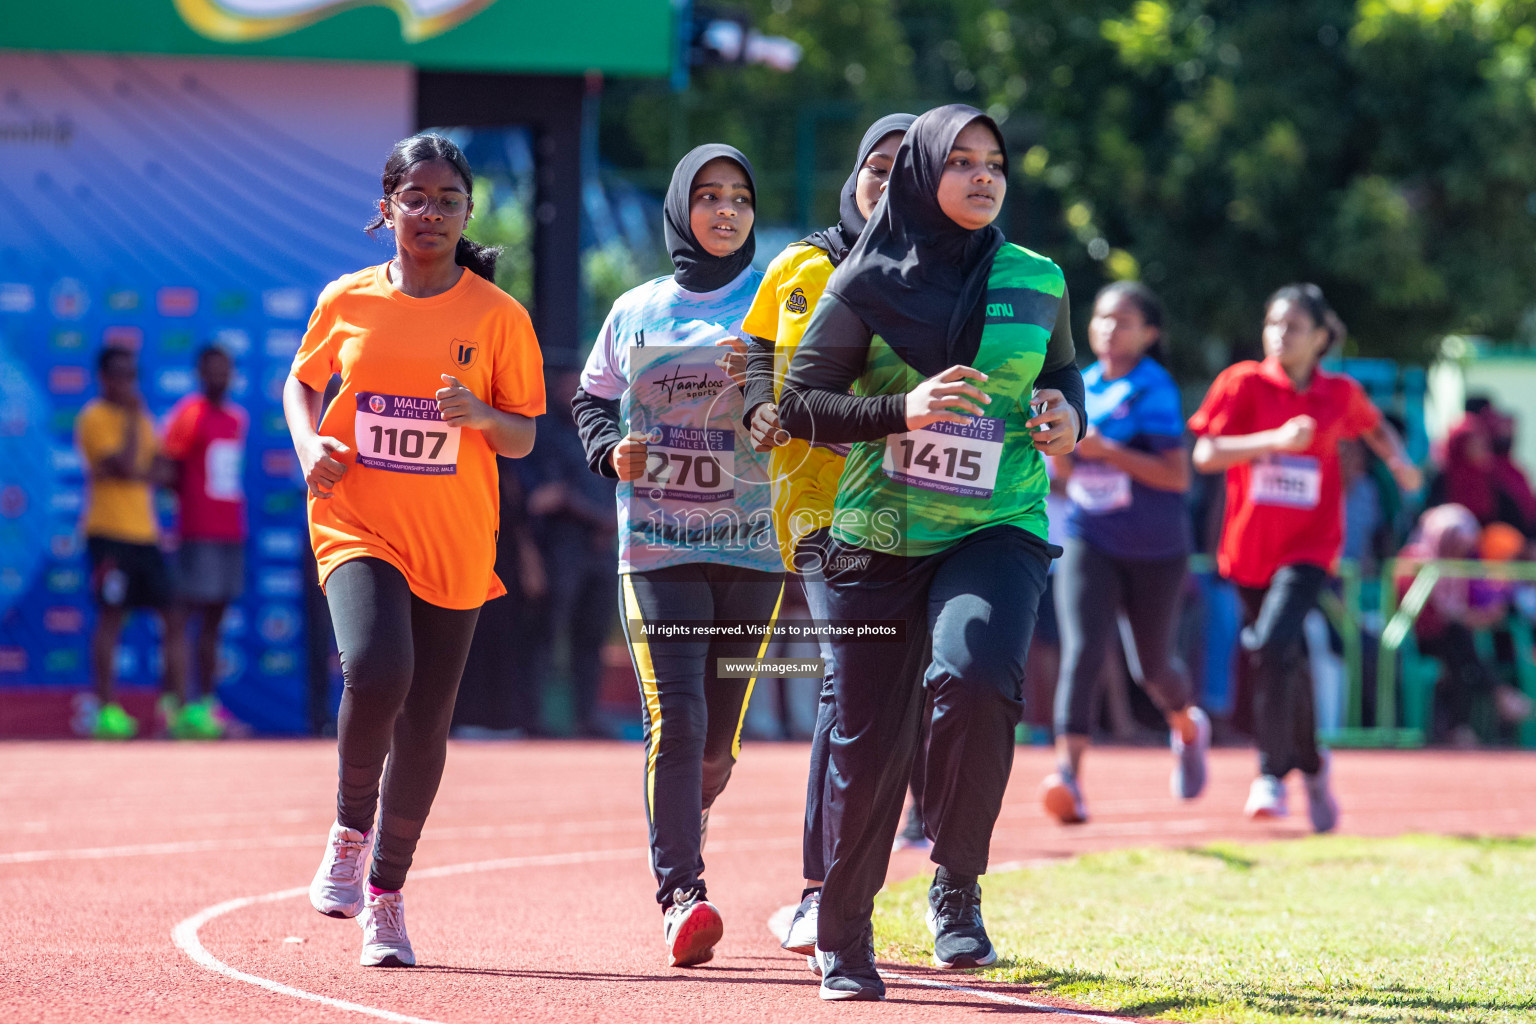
(185, 934)
(306, 839)
(998, 997)
(778, 924)
(173, 848)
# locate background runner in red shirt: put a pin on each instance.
(1275, 428)
(205, 440)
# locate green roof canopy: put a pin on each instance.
(617, 37)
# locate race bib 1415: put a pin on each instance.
(952, 458)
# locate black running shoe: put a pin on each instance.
(959, 938)
(850, 973)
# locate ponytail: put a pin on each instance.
(474, 257)
(477, 258)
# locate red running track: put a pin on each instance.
(163, 882)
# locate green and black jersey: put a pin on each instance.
(917, 492)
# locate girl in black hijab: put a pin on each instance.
(943, 356)
(805, 478)
(656, 411)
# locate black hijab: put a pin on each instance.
(694, 268)
(915, 277)
(839, 238)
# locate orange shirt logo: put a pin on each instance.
(463, 353)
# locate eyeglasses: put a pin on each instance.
(449, 204)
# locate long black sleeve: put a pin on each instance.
(1069, 381)
(1060, 370)
(815, 404)
(758, 389)
(598, 423)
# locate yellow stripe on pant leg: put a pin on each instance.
(746, 698)
(650, 688)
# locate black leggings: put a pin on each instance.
(693, 715)
(977, 601)
(1275, 651)
(1094, 591)
(401, 659)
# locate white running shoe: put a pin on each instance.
(802, 930)
(1188, 778)
(1322, 805)
(385, 943)
(337, 890)
(691, 927)
(1266, 798)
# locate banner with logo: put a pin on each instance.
(164, 204)
(556, 37)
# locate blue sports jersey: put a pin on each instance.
(705, 495)
(1109, 510)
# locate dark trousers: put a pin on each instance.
(978, 601)
(1095, 592)
(401, 659)
(814, 850)
(1466, 675)
(813, 854)
(579, 607)
(693, 716)
(1275, 651)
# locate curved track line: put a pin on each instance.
(185, 934)
(778, 924)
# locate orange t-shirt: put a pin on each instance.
(418, 494)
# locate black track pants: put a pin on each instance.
(1284, 714)
(978, 601)
(692, 716)
(401, 659)
(1095, 593)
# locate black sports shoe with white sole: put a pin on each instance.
(959, 938)
(849, 974)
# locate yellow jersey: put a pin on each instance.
(804, 475)
(117, 509)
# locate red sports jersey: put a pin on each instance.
(209, 442)
(1286, 508)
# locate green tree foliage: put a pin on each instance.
(1217, 149)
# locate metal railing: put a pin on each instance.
(1346, 613)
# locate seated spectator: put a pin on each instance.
(1478, 470)
(1456, 609)
(1512, 487)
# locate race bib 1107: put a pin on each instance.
(404, 434)
(1287, 481)
(951, 458)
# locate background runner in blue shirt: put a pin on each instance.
(1127, 544)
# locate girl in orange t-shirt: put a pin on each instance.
(440, 373)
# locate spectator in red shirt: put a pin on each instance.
(205, 439)
(1275, 427)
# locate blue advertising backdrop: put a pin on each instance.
(164, 204)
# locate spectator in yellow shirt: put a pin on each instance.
(117, 442)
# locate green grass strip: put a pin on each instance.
(1414, 929)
